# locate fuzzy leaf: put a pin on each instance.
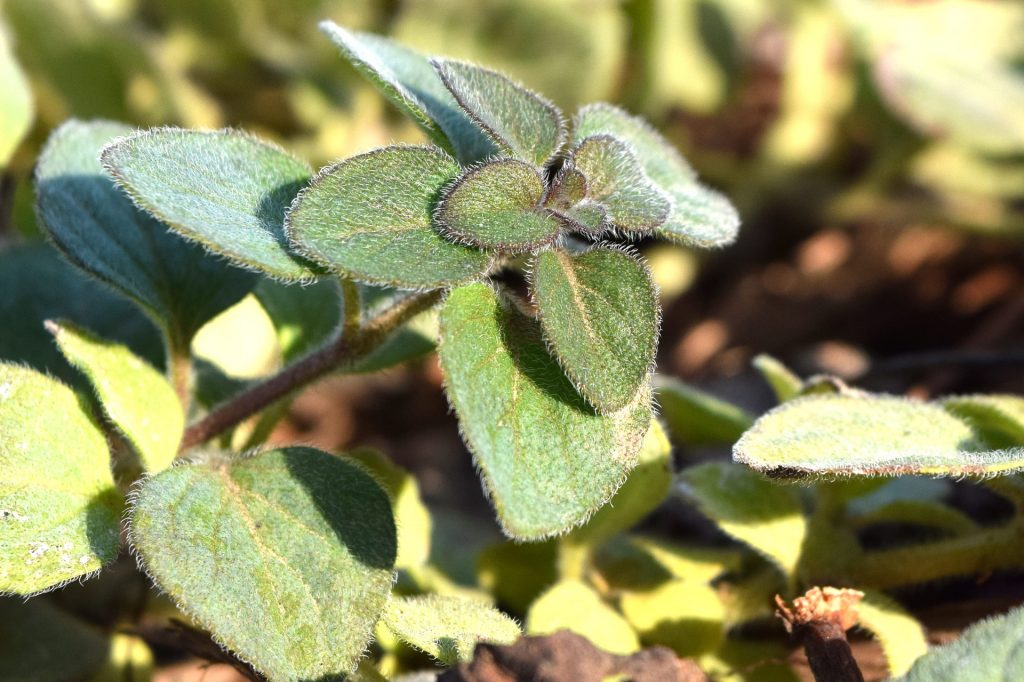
(520, 122)
(588, 217)
(785, 384)
(645, 489)
(493, 206)
(39, 641)
(255, 523)
(370, 216)
(136, 398)
(684, 615)
(70, 294)
(547, 458)
(617, 182)
(764, 515)
(448, 628)
(60, 512)
(304, 316)
(992, 649)
(998, 419)
(901, 636)
(698, 418)
(226, 190)
(599, 311)
(700, 216)
(407, 79)
(867, 435)
(98, 229)
(15, 101)
(574, 606)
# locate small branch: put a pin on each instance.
(344, 352)
(819, 621)
(352, 310)
(179, 367)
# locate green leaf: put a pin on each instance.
(698, 418)
(901, 636)
(764, 515)
(494, 206)
(616, 181)
(548, 460)
(38, 641)
(98, 229)
(684, 615)
(305, 316)
(918, 513)
(848, 434)
(407, 79)
(699, 216)
(516, 573)
(785, 384)
(68, 294)
(448, 628)
(997, 419)
(599, 311)
(992, 649)
(520, 122)
(643, 492)
(370, 217)
(574, 606)
(416, 338)
(255, 523)
(136, 398)
(16, 107)
(60, 512)
(225, 189)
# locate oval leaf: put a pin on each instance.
(547, 458)
(60, 512)
(493, 206)
(135, 397)
(600, 313)
(845, 434)
(370, 216)
(448, 628)
(616, 181)
(257, 523)
(225, 189)
(700, 216)
(571, 605)
(698, 418)
(520, 122)
(98, 229)
(409, 80)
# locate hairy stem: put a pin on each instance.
(342, 353)
(352, 311)
(179, 368)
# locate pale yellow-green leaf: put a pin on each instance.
(136, 398)
(683, 615)
(785, 384)
(129, 659)
(516, 573)
(998, 419)
(448, 628)
(901, 636)
(15, 101)
(571, 605)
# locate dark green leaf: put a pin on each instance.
(370, 216)
(522, 123)
(617, 182)
(600, 313)
(60, 512)
(699, 216)
(302, 545)
(98, 229)
(998, 419)
(407, 79)
(225, 189)
(40, 642)
(548, 460)
(698, 418)
(494, 206)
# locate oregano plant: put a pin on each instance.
(512, 227)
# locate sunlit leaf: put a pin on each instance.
(16, 107)
(448, 628)
(785, 384)
(571, 605)
(901, 636)
(684, 615)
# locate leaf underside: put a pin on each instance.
(548, 460)
(371, 217)
(254, 523)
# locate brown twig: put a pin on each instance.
(819, 621)
(345, 351)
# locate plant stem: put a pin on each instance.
(342, 353)
(179, 367)
(352, 310)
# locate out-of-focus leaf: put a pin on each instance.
(574, 606)
(448, 628)
(765, 515)
(998, 419)
(901, 636)
(516, 573)
(694, 417)
(15, 101)
(305, 316)
(684, 615)
(783, 381)
(38, 641)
